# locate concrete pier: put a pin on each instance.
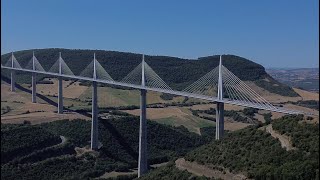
(60, 96)
(142, 163)
(219, 121)
(220, 106)
(13, 80)
(34, 88)
(95, 122)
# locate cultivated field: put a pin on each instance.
(175, 116)
(17, 106)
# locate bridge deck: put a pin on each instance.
(173, 92)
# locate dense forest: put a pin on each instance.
(176, 72)
(260, 156)
(17, 141)
(38, 152)
(119, 151)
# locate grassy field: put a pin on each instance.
(175, 116)
(118, 97)
(19, 104)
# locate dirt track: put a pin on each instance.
(201, 170)
(284, 140)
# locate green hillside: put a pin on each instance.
(176, 72)
(260, 156)
(118, 153)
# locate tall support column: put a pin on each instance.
(60, 93)
(220, 106)
(34, 88)
(94, 125)
(13, 76)
(60, 96)
(95, 122)
(13, 80)
(142, 161)
(219, 121)
(34, 83)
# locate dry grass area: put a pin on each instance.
(175, 116)
(208, 106)
(306, 95)
(20, 103)
(158, 113)
(275, 115)
(271, 97)
(23, 109)
(7, 95)
(119, 97)
(231, 125)
(202, 170)
(70, 90)
(259, 117)
(305, 109)
(41, 117)
(300, 108)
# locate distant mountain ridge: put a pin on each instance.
(302, 78)
(176, 72)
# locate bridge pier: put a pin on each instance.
(220, 105)
(142, 162)
(60, 96)
(34, 88)
(95, 122)
(219, 121)
(13, 80)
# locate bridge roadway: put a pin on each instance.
(179, 93)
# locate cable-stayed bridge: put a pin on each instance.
(219, 86)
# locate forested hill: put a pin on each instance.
(176, 72)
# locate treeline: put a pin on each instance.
(258, 155)
(313, 104)
(247, 116)
(176, 72)
(132, 107)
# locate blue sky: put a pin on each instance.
(274, 33)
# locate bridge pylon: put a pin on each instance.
(13, 75)
(95, 121)
(34, 80)
(142, 161)
(220, 105)
(60, 90)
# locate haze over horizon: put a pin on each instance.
(272, 33)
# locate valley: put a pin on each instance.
(181, 131)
